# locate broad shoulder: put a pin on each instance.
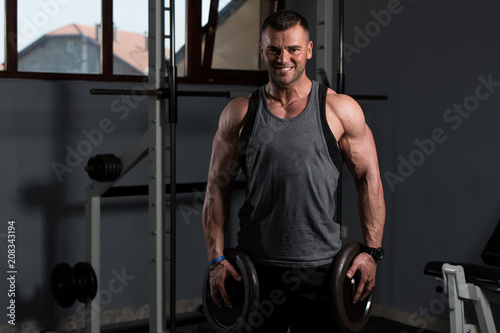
(232, 117)
(346, 111)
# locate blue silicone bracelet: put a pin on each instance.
(216, 260)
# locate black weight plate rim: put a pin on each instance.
(118, 167)
(251, 285)
(100, 167)
(67, 297)
(93, 165)
(87, 274)
(214, 322)
(243, 263)
(344, 260)
(104, 166)
(111, 170)
(80, 285)
(360, 320)
(107, 169)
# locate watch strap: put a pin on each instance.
(376, 253)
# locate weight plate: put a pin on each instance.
(244, 296)
(348, 317)
(107, 170)
(86, 281)
(92, 168)
(63, 285)
(117, 167)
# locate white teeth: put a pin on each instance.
(286, 68)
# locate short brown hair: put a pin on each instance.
(284, 20)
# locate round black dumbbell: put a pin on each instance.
(70, 284)
(104, 167)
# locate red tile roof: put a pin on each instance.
(131, 47)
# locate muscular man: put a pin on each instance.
(289, 139)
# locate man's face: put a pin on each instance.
(285, 53)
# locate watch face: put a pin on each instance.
(379, 253)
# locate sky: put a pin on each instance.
(38, 17)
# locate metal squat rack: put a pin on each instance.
(151, 144)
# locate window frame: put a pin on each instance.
(196, 73)
(223, 75)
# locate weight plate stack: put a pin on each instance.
(70, 284)
(104, 167)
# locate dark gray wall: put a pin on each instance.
(41, 122)
(431, 56)
(438, 166)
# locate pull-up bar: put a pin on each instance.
(230, 94)
(166, 93)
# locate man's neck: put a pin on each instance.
(285, 95)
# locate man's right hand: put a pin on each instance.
(218, 278)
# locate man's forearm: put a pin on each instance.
(371, 207)
(215, 219)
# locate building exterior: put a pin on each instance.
(76, 48)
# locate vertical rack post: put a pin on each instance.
(155, 150)
(340, 75)
(324, 12)
(172, 84)
(156, 121)
(324, 50)
(93, 256)
(340, 90)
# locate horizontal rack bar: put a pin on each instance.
(370, 97)
(137, 190)
(165, 93)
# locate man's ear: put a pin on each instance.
(309, 49)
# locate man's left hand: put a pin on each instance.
(365, 267)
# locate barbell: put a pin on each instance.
(347, 317)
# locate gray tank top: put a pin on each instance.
(287, 218)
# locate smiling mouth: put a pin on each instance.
(284, 69)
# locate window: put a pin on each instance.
(236, 44)
(46, 29)
(231, 39)
(130, 37)
(70, 46)
(180, 36)
(106, 40)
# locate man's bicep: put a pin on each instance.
(360, 154)
(224, 164)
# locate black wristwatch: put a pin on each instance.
(377, 254)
